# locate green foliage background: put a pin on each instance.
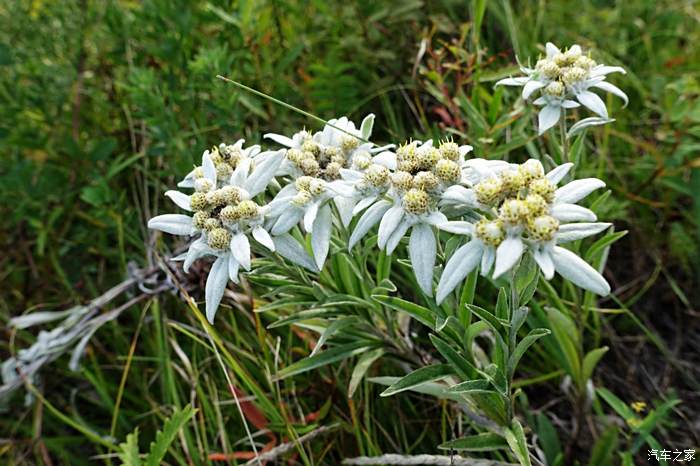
(104, 103)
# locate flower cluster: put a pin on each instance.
(415, 190)
(564, 80)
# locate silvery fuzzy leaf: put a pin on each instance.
(368, 219)
(572, 213)
(422, 250)
(463, 261)
(321, 236)
(175, 224)
(216, 284)
(465, 149)
(585, 123)
(435, 218)
(197, 249)
(530, 87)
(263, 173)
(280, 139)
(366, 126)
(570, 104)
(458, 227)
(287, 247)
(551, 49)
(233, 267)
(180, 199)
(386, 159)
(263, 237)
(519, 81)
(397, 235)
(350, 175)
(508, 254)
(576, 231)
(390, 221)
(363, 204)
(543, 257)
(240, 248)
(310, 216)
(345, 206)
(593, 102)
(79, 350)
(208, 167)
(340, 188)
(240, 174)
(576, 190)
(602, 70)
(459, 195)
(37, 318)
(613, 89)
(187, 181)
(558, 173)
(577, 271)
(287, 220)
(548, 117)
(487, 260)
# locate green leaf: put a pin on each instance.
(604, 448)
(418, 377)
(517, 443)
(602, 243)
(549, 440)
(524, 344)
(420, 313)
(591, 360)
(502, 305)
(487, 317)
(566, 335)
(129, 455)
(471, 386)
(334, 327)
(329, 356)
(463, 367)
(437, 390)
(480, 442)
(167, 434)
(361, 368)
(617, 404)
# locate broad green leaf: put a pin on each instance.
(591, 360)
(418, 377)
(524, 344)
(363, 364)
(471, 386)
(420, 313)
(480, 442)
(329, 356)
(548, 440)
(129, 455)
(566, 335)
(437, 390)
(502, 305)
(604, 448)
(167, 434)
(487, 317)
(461, 366)
(617, 404)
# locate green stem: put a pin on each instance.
(564, 140)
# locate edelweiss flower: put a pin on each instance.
(531, 212)
(224, 217)
(562, 77)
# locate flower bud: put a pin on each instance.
(211, 224)
(425, 181)
(490, 232)
(229, 214)
(248, 209)
(428, 158)
(513, 210)
(198, 201)
(349, 143)
(543, 187)
(303, 183)
(310, 146)
(203, 185)
(310, 167)
(377, 175)
(302, 198)
(216, 198)
(489, 190)
(448, 171)
(219, 238)
(199, 219)
(554, 89)
(536, 205)
(332, 171)
(416, 201)
(574, 75)
(402, 180)
(361, 160)
(543, 228)
(449, 150)
(531, 169)
(317, 187)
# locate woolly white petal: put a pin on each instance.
(576, 190)
(463, 261)
(593, 102)
(458, 227)
(363, 204)
(287, 247)
(435, 218)
(310, 216)
(240, 174)
(557, 173)
(577, 271)
(233, 266)
(422, 250)
(263, 237)
(345, 206)
(602, 70)
(389, 222)
(508, 254)
(548, 117)
(321, 236)
(263, 173)
(366, 126)
(613, 89)
(175, 224)
(180, 199)
(279, 139)
(530, 87)
(196, 250)
(576, 231)
(287, 220)
(520, 81)
(208, 167)
(240, 248)
(397, 235)
(551, 49)
(570, 104)
(572, 213)
(487, 260)
(543, 257)
(368, 219)
(216, 284)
